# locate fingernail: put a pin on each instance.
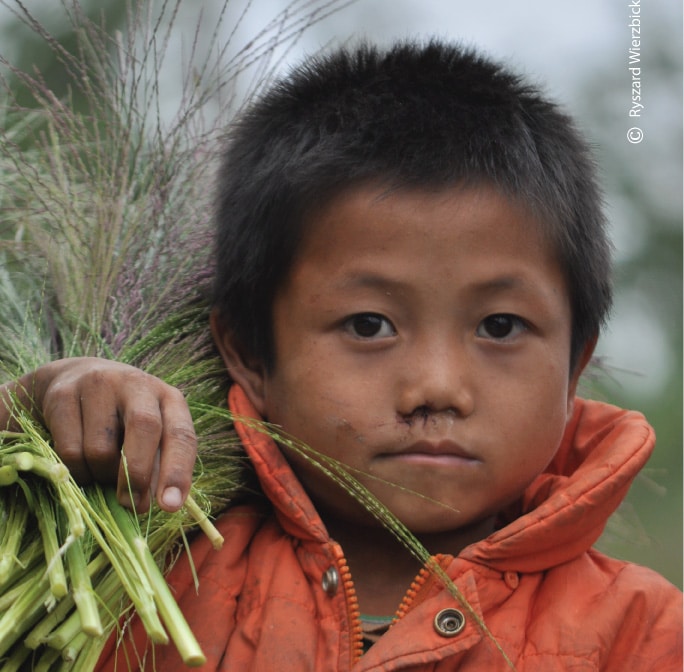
(172, 498)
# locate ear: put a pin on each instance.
(582, 362)
(245, 370)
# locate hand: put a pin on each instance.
(92, 407)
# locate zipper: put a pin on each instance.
(424, 576)
(417, 587)
(352, 602)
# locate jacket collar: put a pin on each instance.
(565, 509)
(295, 511)
(560, 515)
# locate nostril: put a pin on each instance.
(424, 412)
(420, 413)
(428, 413)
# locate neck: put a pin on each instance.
(382, 568)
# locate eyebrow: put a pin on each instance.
(498, 284)
(373, 281)
(478, 290)
(510, 283)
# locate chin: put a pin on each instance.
(438, 520)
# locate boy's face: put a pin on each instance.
(422, 339)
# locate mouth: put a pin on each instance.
(437, 453)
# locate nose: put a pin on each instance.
(437, 379)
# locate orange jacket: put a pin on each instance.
(279, 598)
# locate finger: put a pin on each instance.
(102, 432)
(63, 418)
(142, 436)
(178, 452)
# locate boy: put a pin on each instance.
(412, 272)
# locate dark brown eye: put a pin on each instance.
(500, 326)
(369, 325)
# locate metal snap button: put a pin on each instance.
(449, 622)
(330, 581)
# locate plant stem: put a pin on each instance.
(39, 633)
(73, 648)
(47, 523)
(11, 541)
(27, 580)
(173, 618)
(82, 589)
(30, 556)
(67, 630)
(201, 518)
(15, 661)
(24, 612)
(8, 475)
(132, 577)
(178, 628)
(51, 470)
(46, 660)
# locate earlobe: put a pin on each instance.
(582, 362)
(243, 370)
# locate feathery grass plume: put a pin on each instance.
(105, 236)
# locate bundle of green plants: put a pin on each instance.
(105, 250)
(105, 244)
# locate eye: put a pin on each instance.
(369, 325)
(501, 327)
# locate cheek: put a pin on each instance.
(295, 379)
(304, 402)
(538, 412)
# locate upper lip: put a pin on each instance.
(442, 447)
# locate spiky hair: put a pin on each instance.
(413, 116)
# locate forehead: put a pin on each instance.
(371, 215)
(444, 250)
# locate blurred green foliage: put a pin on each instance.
(30, 50)
(643, 185)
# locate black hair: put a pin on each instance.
(431, 115)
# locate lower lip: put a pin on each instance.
(429, 460)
